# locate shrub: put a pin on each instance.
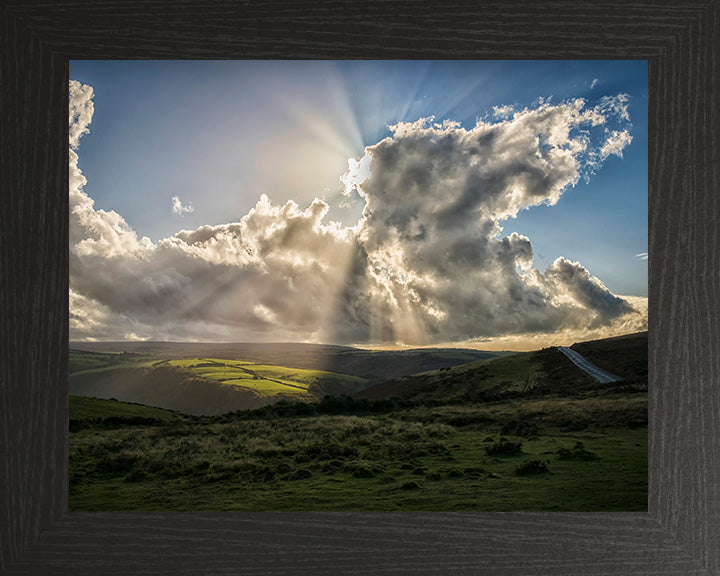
(333, 466)
(504, 447)
(77, 425)
(578, 452)
(363, 472)
(117, 464)
(520, 428)
(264, 473)
(136, 476)
(531, 467)
(301, 474)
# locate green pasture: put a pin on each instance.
(264, 379)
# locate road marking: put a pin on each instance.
(584, 364)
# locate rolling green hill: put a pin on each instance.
(373, 365)
(205, 386)
(205, 379)
(524, 375)
(267, 380)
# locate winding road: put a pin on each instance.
(584, 364)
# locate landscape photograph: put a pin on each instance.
(358, 285)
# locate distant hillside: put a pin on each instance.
(373, 365)
(626, 356)
(526, 374)
(203, 386)
(166, 387)
(84, 408)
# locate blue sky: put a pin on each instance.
(217, 135)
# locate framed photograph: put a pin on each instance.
(54, 522)
(347, 285)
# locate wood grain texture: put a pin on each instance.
(680, 534)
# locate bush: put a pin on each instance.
(333, 466)
(363, 472)
(520, 428)
(301, 474)
(136, 476)
(578, 452)
(117, 464)
(504, 447)
(530, 467)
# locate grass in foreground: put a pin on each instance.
(425, 458)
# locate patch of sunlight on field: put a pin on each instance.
(265, 387)
(185, 362)
(286, 379)
(227, 362)
(202, 362)
(291, 374)
(221, 374)
(294, 383)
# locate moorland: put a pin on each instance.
(163, 426)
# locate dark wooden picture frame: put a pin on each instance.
(680, 533)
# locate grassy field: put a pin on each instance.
(200, 385)
(267, 379)
(523, 432)
(422, 458)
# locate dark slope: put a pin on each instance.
(527, 374)
(626, 356)
(166, 387)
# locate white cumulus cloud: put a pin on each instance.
(179, 208)
(428, 262)
(81, 111)
(616, 143)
